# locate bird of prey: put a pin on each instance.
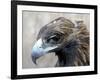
(69, 42)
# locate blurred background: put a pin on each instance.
(32, 22)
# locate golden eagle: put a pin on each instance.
(69, 42)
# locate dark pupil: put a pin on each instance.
(54, 39)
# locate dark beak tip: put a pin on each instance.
(35, 63)
(34, 60)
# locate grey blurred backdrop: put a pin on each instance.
(32, 22)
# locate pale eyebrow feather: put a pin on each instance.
(52, 36)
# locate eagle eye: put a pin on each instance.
(53, 39)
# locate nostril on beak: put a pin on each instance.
(40, 47)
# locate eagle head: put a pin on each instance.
(56, 36)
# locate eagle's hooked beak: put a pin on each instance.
(38, 50)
